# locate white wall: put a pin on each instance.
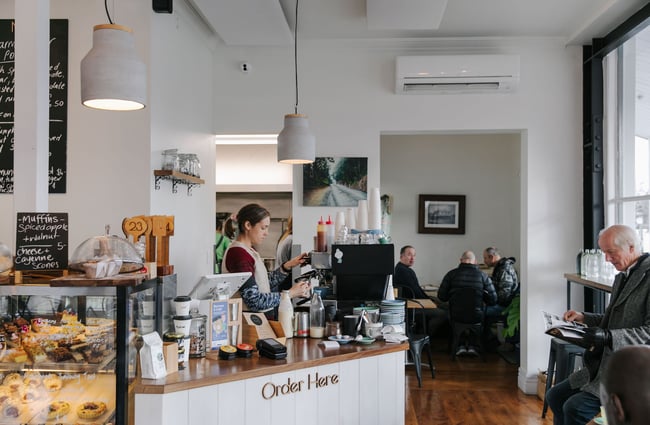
(111, 155)
(108, 152)
(182, 102)
(484, 168)
(347, 89)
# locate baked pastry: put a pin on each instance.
(56, 409)
(5, 393)
(32, 379)
(60, 354)
(91, 409)
(10, 408)
(13, 380)
(36, 353)
(29, 395)
(52, 382)
(16, 355)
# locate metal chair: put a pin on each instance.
(465, 316)
(418, 339)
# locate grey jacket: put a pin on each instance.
(627, 317)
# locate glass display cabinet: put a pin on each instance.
(68, 350)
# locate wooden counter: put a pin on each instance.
(301, 353)
(601, 286)
(352, 384)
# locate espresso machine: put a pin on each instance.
(320, 279)
(321, 269)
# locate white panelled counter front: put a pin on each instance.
(351, 384)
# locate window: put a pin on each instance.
(627, 135)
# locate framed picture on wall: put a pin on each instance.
(441, 214)
(335, 182)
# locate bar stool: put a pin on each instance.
(561, 362)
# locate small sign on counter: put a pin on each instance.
(41, 241)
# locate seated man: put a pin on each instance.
(625, 388)
(406, 278)
(504, 279)
(468, 275)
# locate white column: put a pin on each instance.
(31, 105)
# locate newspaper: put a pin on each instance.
(556, 326)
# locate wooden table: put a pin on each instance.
(420, 303)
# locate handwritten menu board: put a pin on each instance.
(41, 241)
(58, 105)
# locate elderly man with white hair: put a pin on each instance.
(626, 321)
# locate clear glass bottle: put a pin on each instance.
(316, 317)
(583, 263)
(285, 314)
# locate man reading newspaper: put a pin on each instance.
(575, 401)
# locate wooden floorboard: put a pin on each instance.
(468, 391)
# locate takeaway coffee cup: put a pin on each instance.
(350, 323)
(182, 324)
(182, 305)
(147, 308)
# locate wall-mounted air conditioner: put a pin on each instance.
(450, 74)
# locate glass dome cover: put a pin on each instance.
(6, 260)
(110, 253)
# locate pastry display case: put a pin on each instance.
(68, 350)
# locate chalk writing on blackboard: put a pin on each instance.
(58, 99)
(41, 241)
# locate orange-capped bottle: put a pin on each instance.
(321, 237)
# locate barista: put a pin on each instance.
(261, 292)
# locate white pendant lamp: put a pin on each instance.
(296, 143)
(112, 75)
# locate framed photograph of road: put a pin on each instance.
(442, 214)
(335, 182)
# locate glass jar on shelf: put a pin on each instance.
(184, 163)
(170, 159)
(195, 165)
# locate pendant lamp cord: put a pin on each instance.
(110, 21)
(295, 55)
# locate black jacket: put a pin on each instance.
(468, 276)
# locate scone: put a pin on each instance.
(91, 409)
(56, 409)
(13, 380)
(32, 379)
(52, 382)
(10, 409)
(5, 393)
(29, 395)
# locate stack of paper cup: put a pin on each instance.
(362, 215)
(374, 209)
(339, 222)
(351, 218)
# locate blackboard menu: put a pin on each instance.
(41, 241)
(58, 132)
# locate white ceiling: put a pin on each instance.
(575, 22)
(263, 22)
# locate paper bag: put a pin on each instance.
(152, 361)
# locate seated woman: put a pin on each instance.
(260, 293)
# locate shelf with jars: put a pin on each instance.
(176, 177)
